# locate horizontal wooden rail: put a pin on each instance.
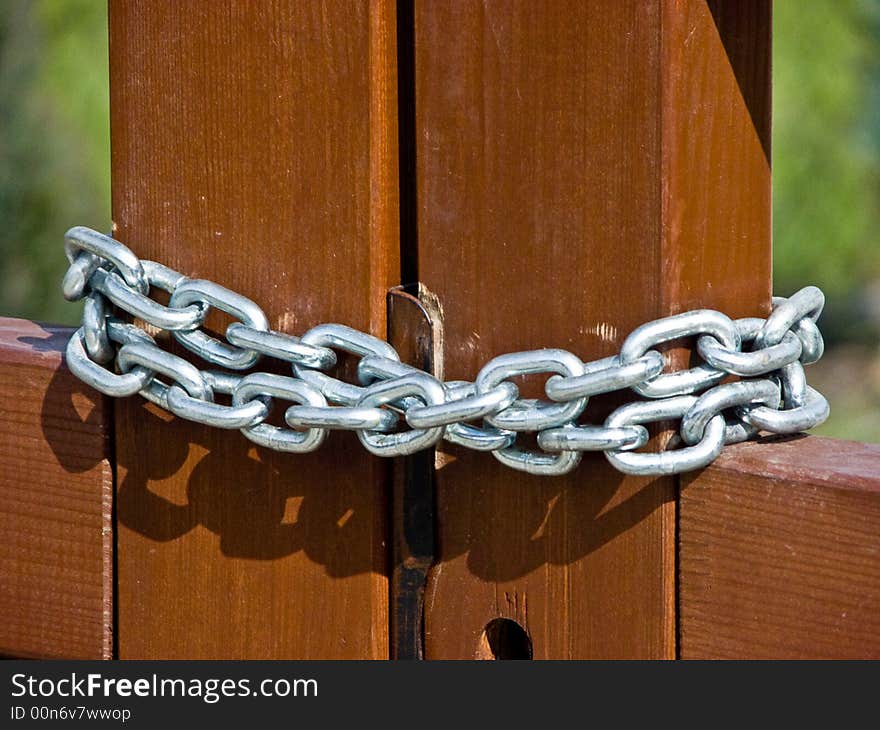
(56, 490)
(779, 552)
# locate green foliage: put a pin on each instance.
(826, 167)
(54, 145)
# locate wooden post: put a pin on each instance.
(255, 144)
(581, 168)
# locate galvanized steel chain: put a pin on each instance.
(396, 409)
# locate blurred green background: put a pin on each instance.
(54, 145)
(55, 171)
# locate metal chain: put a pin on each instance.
(396, 409)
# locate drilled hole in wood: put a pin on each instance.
(504, 638)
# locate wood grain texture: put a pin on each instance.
(780, 553)
(715, 149)
(254, 144)
(56, 492)
(581, 168)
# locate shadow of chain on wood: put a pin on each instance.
(257, 510)
(260, 513)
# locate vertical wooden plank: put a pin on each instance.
(255, 144)
(581, 168)
(56, 502)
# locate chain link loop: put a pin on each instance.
(417, 384)
(87, 250)
(605, 376)
(258, 385)
(351, 341)
(280, 346)
(530, 414)
(677, 461)
(724, 397)
(207, 293)
(94, 328)
(181, 404)
(101, 379)
(688, 324)
(112, 286)
(396, 409)
(814, 411)
(159, 362)
(745, 363)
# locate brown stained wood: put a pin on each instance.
(56, 492)
(581, 168)
(715, 146)
(255, 144)
(780, 552)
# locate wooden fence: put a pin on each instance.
(553, 173)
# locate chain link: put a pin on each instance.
(396, 409)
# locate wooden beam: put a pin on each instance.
(779, 552)
(581, 168)
(254, 144)
(56, 492)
